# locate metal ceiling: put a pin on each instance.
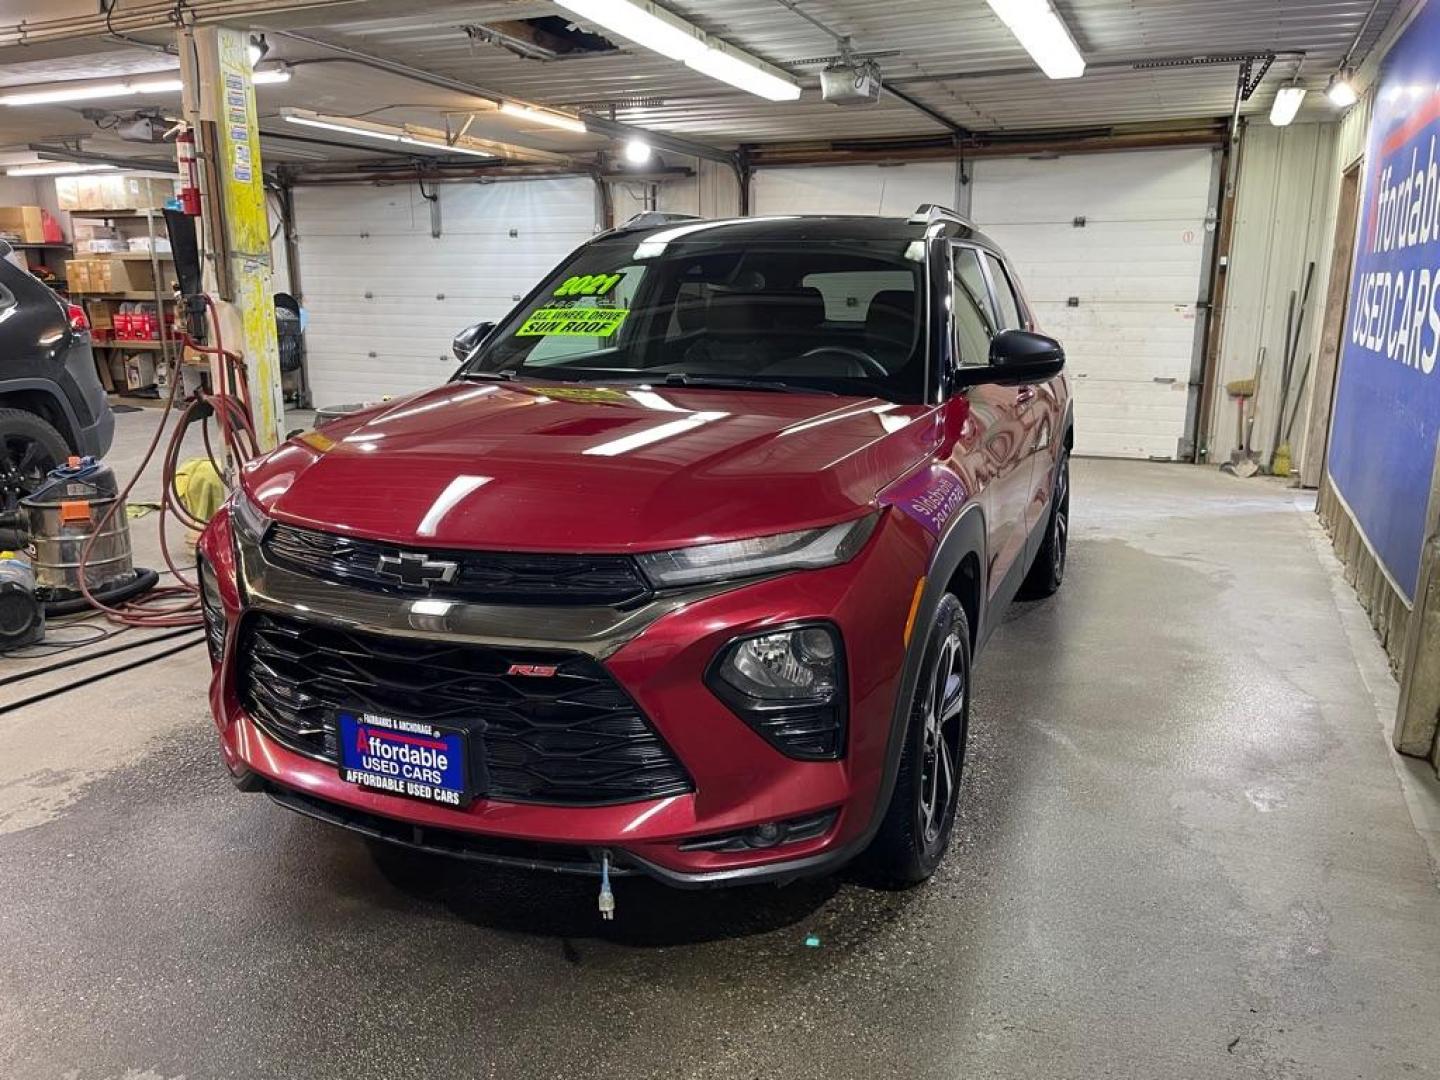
(952, 56)
(937, 51)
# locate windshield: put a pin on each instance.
(837, 316)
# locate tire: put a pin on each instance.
(1048, 571)
(29, 448)
(915, 831)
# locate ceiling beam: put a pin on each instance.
(65, 153)
(851, 152)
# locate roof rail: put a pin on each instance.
(649, 219)
(926, 213)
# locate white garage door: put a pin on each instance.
(854, 189)
(1119, 290)
(385, 297)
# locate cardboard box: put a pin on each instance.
(120, 275)
(113, 195)
(26, 223)
(77, 275)
(139, 371)
(67, 193)
(146, 192)
(101, 313)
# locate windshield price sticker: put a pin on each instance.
(589, 284)
(573, 322)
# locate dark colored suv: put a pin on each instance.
(51, 402)
(682, 574)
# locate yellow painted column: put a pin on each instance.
(220, 96)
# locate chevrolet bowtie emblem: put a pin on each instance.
(409, 568)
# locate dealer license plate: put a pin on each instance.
(403, 757)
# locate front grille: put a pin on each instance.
(494, 577)
(574, 737)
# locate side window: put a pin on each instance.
(1010, 318)
(7, 298)
(974, 321)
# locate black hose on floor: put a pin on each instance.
(143, 581)
(45, 695)
(99, 654)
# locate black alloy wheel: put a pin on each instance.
(915, 831)
(1048, 570)
(29, 449)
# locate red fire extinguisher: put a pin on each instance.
(189, 172)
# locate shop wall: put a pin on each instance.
(1284, 216)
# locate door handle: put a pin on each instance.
(1025, 395)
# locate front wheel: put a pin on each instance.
(916, 829)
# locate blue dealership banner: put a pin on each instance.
(1387, 403)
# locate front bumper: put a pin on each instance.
(659, 654)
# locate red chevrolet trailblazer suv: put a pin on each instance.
(682, 573)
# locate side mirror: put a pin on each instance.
(469, 339)
(1020, 356)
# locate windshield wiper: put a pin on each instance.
(722, 382)
(488, 376)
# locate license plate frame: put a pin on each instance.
(414, 759)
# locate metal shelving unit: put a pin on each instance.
(159, 296)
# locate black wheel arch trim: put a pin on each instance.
(52, 390)
(964, 535)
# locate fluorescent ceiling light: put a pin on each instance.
(745, 73)
(160, 83)
(544, 116)
(1287, 104)
(1044, 35)
(652, 27)
(1341, 91)
(444, 147)
(69, 93)
(56, 168)
(643, 23)
(296, 116)
(90, 91)
(430, 140)
(157, 86)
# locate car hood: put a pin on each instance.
(538, 467)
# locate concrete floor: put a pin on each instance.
(1185, 851)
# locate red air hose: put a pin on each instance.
(179, 604)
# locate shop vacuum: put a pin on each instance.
(43, 551)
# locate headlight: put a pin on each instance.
(805, 550)
(247, 519)
(789, 685)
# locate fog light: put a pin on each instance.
(770, 834)
(767, 835)
(789, 685)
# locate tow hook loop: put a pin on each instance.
(607, 898)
